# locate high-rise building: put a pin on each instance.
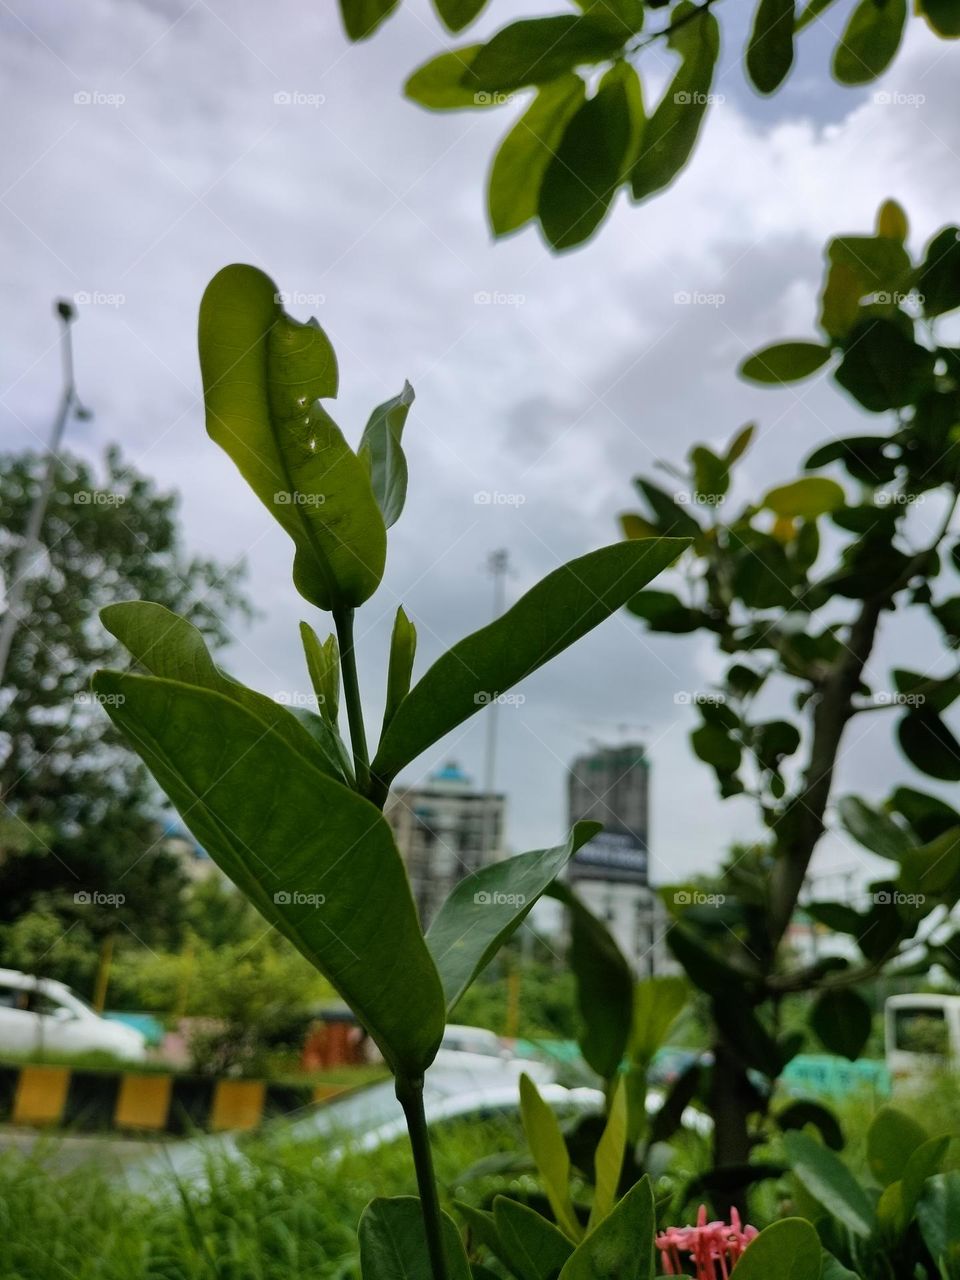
(444, 830)
(611, 785)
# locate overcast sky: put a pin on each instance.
(146, 147)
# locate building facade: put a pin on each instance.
(612, 785)
(444, 830)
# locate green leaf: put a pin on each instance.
(840, 303)
(830, 1182)
(537, 50)
(812, 11)
(564, 606)
(172, 648)
(672, 519)
(883, 368)
(663, 611)
(582, 177)
(262, 375)
(740, 443)
(896, 1205)
(770, 50)
(380, 444)
(944, 17)
(532, 1247)
(608, 1160)
(657, 1004)
(323, 666)
(892, 1138)
(438, 84)
(892, 221)
(457, 14)
(362, 17)
(785, 362)
(671, 132)
(938, 1213)
(874, 829)
(621, 1247)
(550, 1153)
(870, 40)
(789, 1249)
(393, 1245)
(842, 1020)
(928, 816)
(604, 986)
(403, 648)
(485, 908)
(836, 916)
(938, 281)
(801, 1113)
(880, 263)
(714, 746)
(929, 745)
(513, 191)
(711, 475)
(933, 869)
(316, 860)
(805, 499)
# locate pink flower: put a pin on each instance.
(714, 1247)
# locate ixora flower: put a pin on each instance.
(713, 1247)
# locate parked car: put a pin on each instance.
(39, 1015)
(476, 1049)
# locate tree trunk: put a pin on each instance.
(733, 1100)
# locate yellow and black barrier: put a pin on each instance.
(146, 1102)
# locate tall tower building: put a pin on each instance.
(611, 785)
(444, 830)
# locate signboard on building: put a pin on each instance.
(611, 855)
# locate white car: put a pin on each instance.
(39, 1015)
(478, 1050)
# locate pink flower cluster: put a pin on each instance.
(714, 1247)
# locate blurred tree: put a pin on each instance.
(565, 159)
(80, 823)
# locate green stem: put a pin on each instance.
(343, 621)
(410, 1094)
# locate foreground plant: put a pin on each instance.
(285, 809)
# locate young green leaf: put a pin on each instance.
(393, 1245)
(172, 648)
(582, 177)
(380, 444)
(457, 14)
(608, 1160)
(874, 829)
(657, 1003)
(770, 50)
(564, 606)
(262, 375)
(537, 50)
(870, 40)
(513, 190)
(314, 858)
(532, 1247)
(672, 129)
(943, 17)
(789, 1249)
(362, 17)
(805, 499)
(621, 1247)
(830, 1182)
(785, 362)
(549, 1150)
(323, 665)
(438, 84)
(486, 907)
(403, 648)
(892, 1138)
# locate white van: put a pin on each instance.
(39, 1015)
(921, 1033)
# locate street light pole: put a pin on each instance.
(69, 402)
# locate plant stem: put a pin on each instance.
(343, 621)
(410, 1094)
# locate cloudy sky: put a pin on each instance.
(150, 144)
